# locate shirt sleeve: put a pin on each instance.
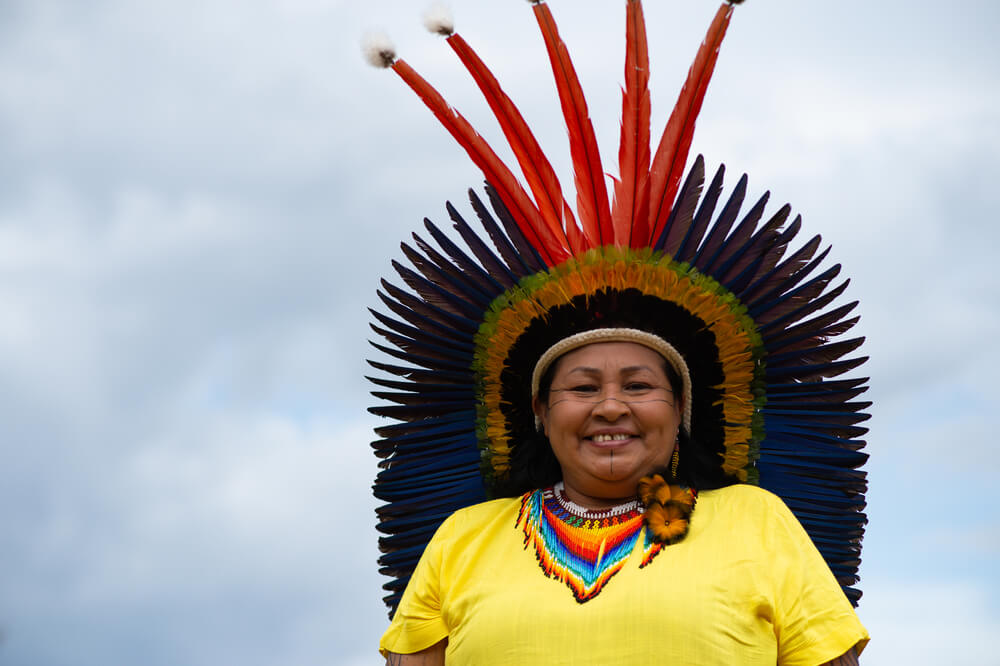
(418, 623)
(814, 621)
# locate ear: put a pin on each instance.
(541, 411)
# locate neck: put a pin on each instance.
(595, 503)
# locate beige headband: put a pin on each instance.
(654, 342)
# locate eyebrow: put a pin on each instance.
(628, 370)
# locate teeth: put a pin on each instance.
(611, 438)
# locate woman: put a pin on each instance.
(613, 416)
(622, 380)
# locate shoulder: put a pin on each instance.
(479, 516)
(461, 538)
(742, 496)
(487, 510)
(742, 508)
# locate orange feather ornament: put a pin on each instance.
(668, 508)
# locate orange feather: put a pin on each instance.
(541, 177)
(633, 151)
(668, 164)
(592, 203)
(528, 219)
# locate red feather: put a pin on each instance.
(668, 164)
(591, 191)
(633, 151)
(528, 219)
(537, 170)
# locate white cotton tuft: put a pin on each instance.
(378, 49)
(438, 19)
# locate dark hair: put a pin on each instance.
(533, 464)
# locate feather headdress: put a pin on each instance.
(755, 321)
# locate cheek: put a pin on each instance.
(562, 428)
(663, 425)
(564, 419)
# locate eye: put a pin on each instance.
(638, 387)
(584, 388)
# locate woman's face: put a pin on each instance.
(611, 417)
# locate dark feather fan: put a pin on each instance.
(805, 434)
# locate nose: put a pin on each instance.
(610, 407)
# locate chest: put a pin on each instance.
(704, 600)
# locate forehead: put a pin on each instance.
(610, 357)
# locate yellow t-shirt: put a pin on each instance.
(746, 586)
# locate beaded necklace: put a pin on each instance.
(580, 547)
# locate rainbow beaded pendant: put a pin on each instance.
(583, 549)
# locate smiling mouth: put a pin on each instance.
(617, 437)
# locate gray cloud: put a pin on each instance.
(197, 201)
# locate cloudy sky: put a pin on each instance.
(197, 200)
